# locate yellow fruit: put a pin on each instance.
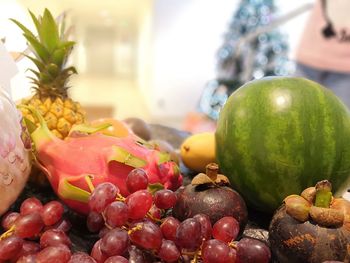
(198, 150)
(51, 50)
(117, 128)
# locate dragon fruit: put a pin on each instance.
(92, 157)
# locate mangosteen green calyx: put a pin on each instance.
(209, 193)
(311, 227)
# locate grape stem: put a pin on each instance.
(233, 245)
(134, 229)
(120, 198)
(153, 218)
(8, 233)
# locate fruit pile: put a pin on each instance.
(37, 233)
(129, 191)
(139, 226)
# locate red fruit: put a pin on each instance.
(164, 199)
(60, 253)
(226, 229)
(9, 219)
(54, 237)
(139, 203)
(102, 158)
(52, 212)
(30, 205)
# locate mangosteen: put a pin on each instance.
(312, 227)
(209, 193)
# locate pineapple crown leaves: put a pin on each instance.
(50, 48)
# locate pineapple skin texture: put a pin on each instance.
(59, 114)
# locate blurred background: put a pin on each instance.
(164, 60)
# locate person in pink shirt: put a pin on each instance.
(323, 54)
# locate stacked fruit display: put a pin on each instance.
(275, 137)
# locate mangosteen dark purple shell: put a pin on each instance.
(292, 241)
(214, 201)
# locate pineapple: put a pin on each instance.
(50, 52)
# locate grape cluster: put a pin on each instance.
(37, 233)
(136, 228)
(139, 228)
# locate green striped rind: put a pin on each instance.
(278, 136)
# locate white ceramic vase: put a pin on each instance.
(15, 164)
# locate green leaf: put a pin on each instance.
(67, 44)
(35, 21)
(49, 31)
(53, 70)
(87, 129)
(58, 57)
(71, 70)
(45, 78)
(153, 188)
(121, 155)
(25, 30)
(63, 26)
(37, 62)
(69, 191)
(40, 51)
(36, 73)
(30, 125)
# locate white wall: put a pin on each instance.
(187, 35)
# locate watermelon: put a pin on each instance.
(279, 135)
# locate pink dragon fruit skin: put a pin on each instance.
(67, 163)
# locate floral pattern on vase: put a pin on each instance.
(15, 164)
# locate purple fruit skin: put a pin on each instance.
(216, 202)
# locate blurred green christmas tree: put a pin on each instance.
(253, 48)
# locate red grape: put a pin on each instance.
(102, 195)
(251, 250)
(136, 255)
(97, 254)
(168, 227)
(116, 259)
(115, 242)
(103, 231)
(10, 247)
(226, 229)
(28, 248)
(116, 214)
(164, 199)
(169, 251)
(188, 234)
(53, 237)
(52, 212)
(95, 222)
(206, 228)
(146, 234)
(9, 219)
(80, 257)
(30, 205)
(60, 253)
(136, 180)
(63, 225)
(217, 251)
(29, 225)
(27, 259)
(154, 214)
(139, 203)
